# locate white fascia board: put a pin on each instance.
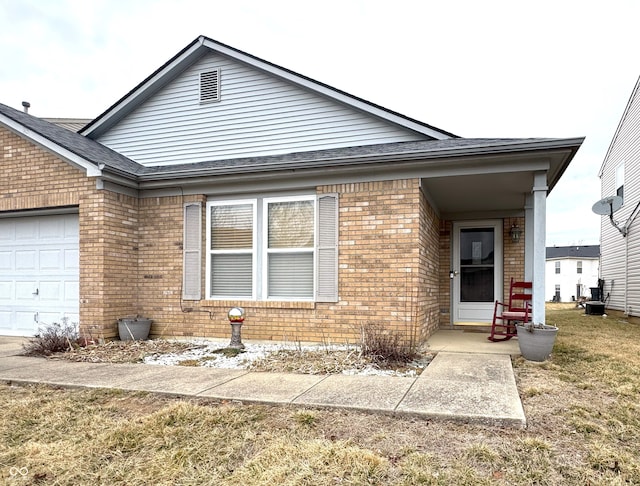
(501, 153)
(142, 92)
(70, 157)
(324, 90)
(634, 93)
(193, 51)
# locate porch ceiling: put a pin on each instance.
(479, 195)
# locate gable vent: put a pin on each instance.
(210, 86)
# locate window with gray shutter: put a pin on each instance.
(191, 248)
(290, 245)
(282, 248)
(327, 248)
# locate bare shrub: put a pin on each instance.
(52, 338)
(383, 345)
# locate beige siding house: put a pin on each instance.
(620, 243)
(224, 180)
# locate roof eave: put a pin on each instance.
(144, 90)
(618, 128)
(564, 148)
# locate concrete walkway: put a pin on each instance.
(462, 386)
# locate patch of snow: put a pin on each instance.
(210, 356)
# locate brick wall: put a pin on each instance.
(109, 276)
(388, 256)
(430, 270)
(446, 230)
(513, 254)
(394, 258)
(33, 178)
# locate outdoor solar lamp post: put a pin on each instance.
(236, 318)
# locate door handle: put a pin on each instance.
(453, 273)
(35, 317)
(37, 292)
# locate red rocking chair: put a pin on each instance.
(518, 309)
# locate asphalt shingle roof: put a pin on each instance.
(575, 251)
(88, 149)
(96, 153)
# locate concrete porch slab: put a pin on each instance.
(467, 387)
(470, 342)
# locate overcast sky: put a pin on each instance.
(486, 68)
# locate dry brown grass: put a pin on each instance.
(582, 407)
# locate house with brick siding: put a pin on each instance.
(225, 180)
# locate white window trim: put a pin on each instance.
(266, 251)
(254, 252)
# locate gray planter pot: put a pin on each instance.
(134, 328)
(536, 343)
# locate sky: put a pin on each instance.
(490, 68)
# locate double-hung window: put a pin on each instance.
(232, 249)
(289, 248)
(273, 248)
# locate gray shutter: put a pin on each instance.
(192, 258)
(327, 248)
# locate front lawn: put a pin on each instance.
(582, 408)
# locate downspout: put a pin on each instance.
(627, 228)
(626, 273)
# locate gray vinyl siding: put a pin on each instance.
(258, 114)
(620, 256)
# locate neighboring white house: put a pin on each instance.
(571, 272)
(620, 243)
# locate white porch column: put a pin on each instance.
(528, 238)
(539, 192)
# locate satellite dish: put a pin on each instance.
(607, 206)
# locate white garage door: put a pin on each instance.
(39, 272)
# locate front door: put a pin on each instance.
(477, 270)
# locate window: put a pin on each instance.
(231, 246)
(557, 267)
(620, 180)
(579, 267)
(289, 234)
(282, 248)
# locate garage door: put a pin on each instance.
(39, 272)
